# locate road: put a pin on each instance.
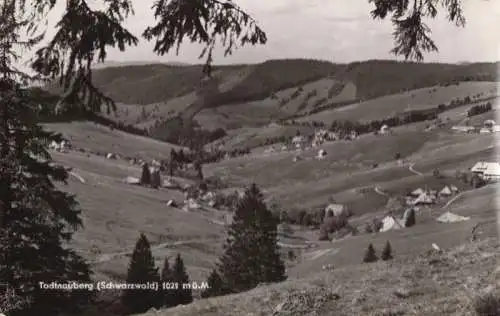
(410, 167)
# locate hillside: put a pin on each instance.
(427, 283)
(243, 97)
(159, 83)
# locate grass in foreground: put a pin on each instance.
(427, 284)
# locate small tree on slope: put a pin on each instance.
(167, 277)
(251, 251)
(386, 252)
(180, 276)
(370, 255)
(141, 271)
(215, 286)
(155, 179)
(410, 220)
(145, 175)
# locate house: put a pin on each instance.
(489, 123)
(424, 199)
(463, 129)
(296, 158)
(485, 130)
(489, 171)
(391, 223)
(384, 129)
(449, 217)
(417, 192)
(321, 154)
(336, 209)
(445, 192)
(132, 180)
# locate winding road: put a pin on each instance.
(380, 192)
(79, 177)
(410, 167)
(105, 257)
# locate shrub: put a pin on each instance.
(487, 305)
(368, 228)
(146, 175)
(370, 254)
(376, 224)
(387, 252)
(323, 233)
(410, 220)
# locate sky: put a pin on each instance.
(335, 30)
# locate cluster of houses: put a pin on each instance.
(488, 171)
(488, 127)
(427, 197)
(62, 146)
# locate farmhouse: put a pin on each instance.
(485, 130)
(384, 129)
(445, 192)
(489, 171)
(336, 210)
(321, 154)
(298, 140)
(463, 129)
(391, 223)
(424, 199)
(449, 217)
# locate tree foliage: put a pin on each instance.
(84, 34)
(216, 285)
(183, 294)
(37, 220)
(386, 252)
(251, 251)
(370, 254)
(141, 270)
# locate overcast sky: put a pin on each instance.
(335, 30)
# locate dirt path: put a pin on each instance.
(453, 199)
(76, 175)
(410, 167)
(379, 192)
(105, 257)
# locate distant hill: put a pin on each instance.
(255, 95)
(113, 63)
(154, 83)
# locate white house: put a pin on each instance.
(489, 123)
(384, 129)
(298, 141)
(489, 171)
(391, 223)
(321, 154)
(485, 130)
(463, 129)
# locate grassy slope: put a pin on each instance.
(98, 138)
(165, 89)
(415, 99)
(436, 284)
(310, 182)
(115, 213)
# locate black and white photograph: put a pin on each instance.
(249, 158)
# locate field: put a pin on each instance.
(362, 174)
(424, 284)
(97, 138)
(426, 98)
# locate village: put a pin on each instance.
(213, 205)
